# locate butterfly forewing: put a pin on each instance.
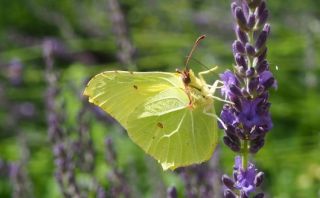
(120, 92)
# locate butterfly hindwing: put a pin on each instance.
(179, 137)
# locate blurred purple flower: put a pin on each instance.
(15, 72)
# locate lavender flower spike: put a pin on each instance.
(247, 120)
(248, 86)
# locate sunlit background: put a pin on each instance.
(49, 49)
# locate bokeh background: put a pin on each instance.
(54, 144)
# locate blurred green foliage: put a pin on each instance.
(162, 32)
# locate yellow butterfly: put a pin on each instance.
(169, 115)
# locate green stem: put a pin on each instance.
(244, 154)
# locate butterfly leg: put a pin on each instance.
(201, 74)
(215, 86)
(213, 89)
(216, 117)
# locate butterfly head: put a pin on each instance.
(185, 76)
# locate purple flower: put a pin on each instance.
(228, 116)
(245, 181)
(252, 115)
(228, 79)
(251, 118)
(267, 80)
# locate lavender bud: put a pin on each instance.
(232, 145)
(245, 9)
(234, 139)
(266, 28)
(230, 130)
(241, 61)
(263, 17)
(250, 49)
(227, 181)
(261, 41)
(254, 133)
(250, 72)
(253, 84)
(262, 56)
(235, 90)
(263, 66)
(263, 107)
(232, 135)
(251, 21)
(258, 179)
(237, 103)
(240, 133)
(237, 47)
(259, 195)
(172, 192)
(261, 8)
(269, 83)
(241, 35)
(241, 19)
(260, 89)
(233, 8)
(229, 194)
(256, 145)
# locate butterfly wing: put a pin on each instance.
(171, 132)
(154, 108)
(120, 92)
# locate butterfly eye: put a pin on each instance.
(186, 77)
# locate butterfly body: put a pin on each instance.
(166, 114)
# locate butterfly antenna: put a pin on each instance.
(193, 48)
